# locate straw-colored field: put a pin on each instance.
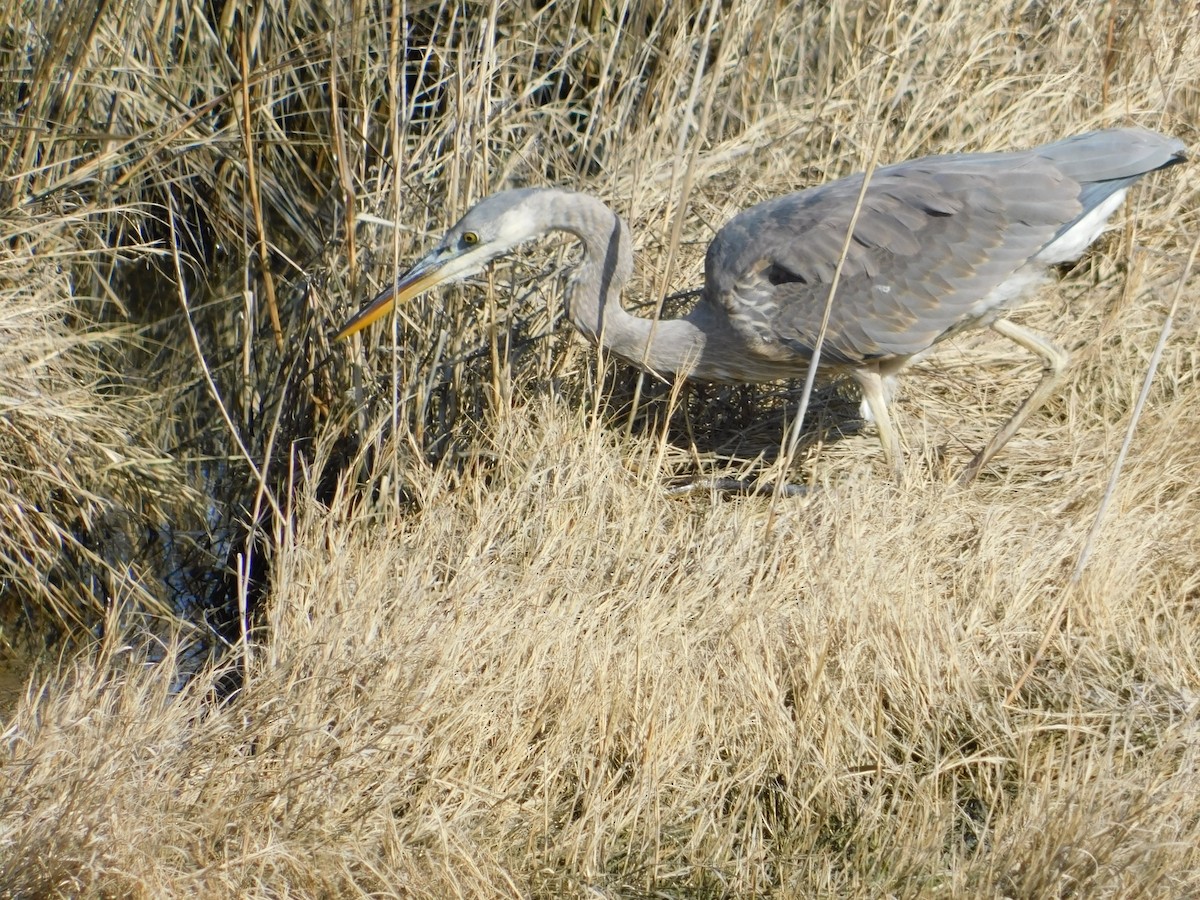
(419, 615)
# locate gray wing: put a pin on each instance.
(935, 240)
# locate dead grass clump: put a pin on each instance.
(79, 483)
(561, 685)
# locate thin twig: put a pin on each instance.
(793, 437)
(697, 128)
(1089, 542)
(264, 249)
(209, 380)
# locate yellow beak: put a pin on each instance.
(425, 274)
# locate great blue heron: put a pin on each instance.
(940, 244)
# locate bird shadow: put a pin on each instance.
(721, 429)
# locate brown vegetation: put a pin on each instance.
(419, 617)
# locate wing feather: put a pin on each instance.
(941, 243)
(935, 237)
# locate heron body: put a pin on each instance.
(940, 244)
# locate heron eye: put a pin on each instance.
(469, 238)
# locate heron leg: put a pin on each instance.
(1055, 364)
(875, 395)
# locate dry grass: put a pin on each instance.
(477, 650)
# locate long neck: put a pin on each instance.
(671, 346)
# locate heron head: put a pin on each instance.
(491, 228)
